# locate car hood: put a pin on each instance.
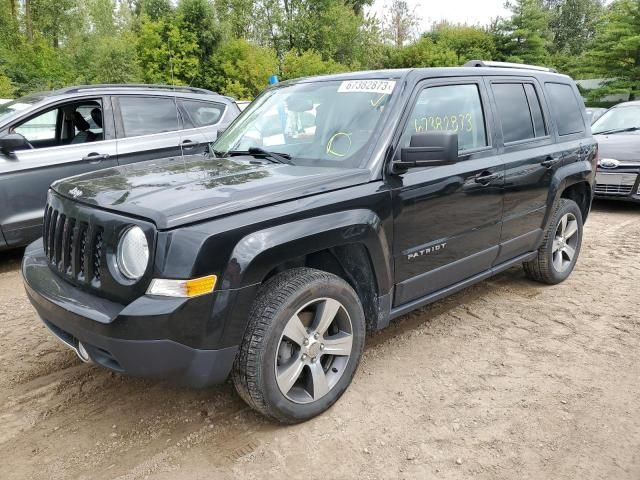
(175, 191)
(624, 147)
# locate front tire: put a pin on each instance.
(302, 346)
(560, 248)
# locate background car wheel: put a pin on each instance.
(302, 346)
(561, 245)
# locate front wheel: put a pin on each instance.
(302, 346)
(560, 248)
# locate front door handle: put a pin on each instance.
(485, 178)
(550, 161)
(95, 157)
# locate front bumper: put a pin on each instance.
(618, 184)
(136, 339)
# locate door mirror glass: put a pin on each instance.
(428, 149)
(13, 142)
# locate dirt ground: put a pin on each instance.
(507, 379)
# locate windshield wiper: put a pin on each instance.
(273, 156)
(257, 152)
(617, 130)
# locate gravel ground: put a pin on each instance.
(506, 379)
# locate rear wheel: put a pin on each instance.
(303, 343)
(561, 245)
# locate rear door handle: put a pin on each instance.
(551, 161)
(485, 178)
(95, 157)
(189, 144)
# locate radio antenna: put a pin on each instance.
(175, 98)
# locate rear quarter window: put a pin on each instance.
(565, 108)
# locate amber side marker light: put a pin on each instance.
(182, 288)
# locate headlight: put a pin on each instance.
(133, 253)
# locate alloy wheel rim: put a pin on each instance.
(565, 243)
(314, 350)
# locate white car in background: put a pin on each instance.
(4, 100)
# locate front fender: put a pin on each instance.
(258, 253)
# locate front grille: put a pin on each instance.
(74, 248)
(615, 183)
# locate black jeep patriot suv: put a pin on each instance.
(329, 207)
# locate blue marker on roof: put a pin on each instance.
(273, 79)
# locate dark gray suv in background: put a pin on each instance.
(58, 134)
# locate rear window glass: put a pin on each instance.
(536, 110)
(202, 114)
(565, 108)
(513, 111)
(147, 115)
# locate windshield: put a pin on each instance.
(319, 123)
(14, 106)
(619, 118)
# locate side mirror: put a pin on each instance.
(12, 142)
(428, 150)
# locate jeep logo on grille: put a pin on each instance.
(609, 163)
(75, 192)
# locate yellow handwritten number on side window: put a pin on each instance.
(457, 123)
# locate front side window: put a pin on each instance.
(71, 123)
(455, 108)
(202, 114)
(148, 115)
(40, 127)
(319, 123)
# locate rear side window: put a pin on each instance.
(147, 115)
(565, 108)
(454, 108)
(202, 114)
(536, 110)
(513, 111)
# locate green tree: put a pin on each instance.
(308, 63)
(167, 52)
(573, 24)
(7, 90)
(526, 36)
(616, 49)
(468, 42)
(154, 9)
(242, 69)
(423, 53)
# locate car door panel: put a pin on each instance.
(149, 147)
(530, 164)
(448, 218)
(447, 226)
(159, 122)
(25, 180)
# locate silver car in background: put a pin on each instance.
(66, 132)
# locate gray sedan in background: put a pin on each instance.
(58, 134)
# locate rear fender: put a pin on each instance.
(567, 176)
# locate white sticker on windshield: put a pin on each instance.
(367, 86)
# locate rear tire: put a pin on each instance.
(560, 248)
(302, 346)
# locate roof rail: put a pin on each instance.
(177, 88)
(486, 63)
